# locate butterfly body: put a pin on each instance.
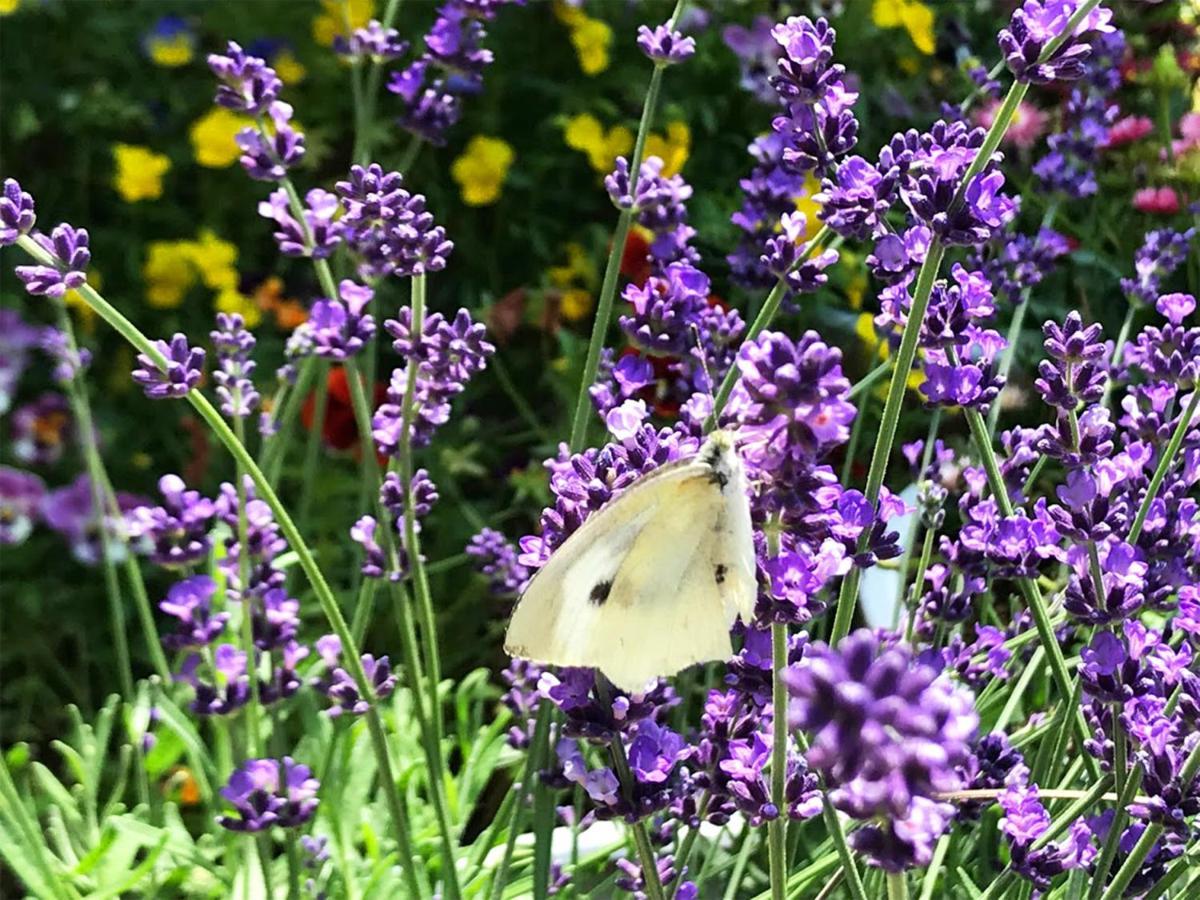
(652, 582)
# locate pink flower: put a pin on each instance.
(1189, 131)
(1161, 201)
(1028, 124)
(1127, 130)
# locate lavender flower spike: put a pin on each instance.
(266, 792)
(184, 367)
(1038, 22)
(69, 247)
(664, 45)
(16, 213)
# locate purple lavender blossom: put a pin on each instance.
(184, 368)
(664, 45)
(267, 792)
(190, 601)
(69, 247)
(233, 344)
(177, 532)
(446, 356)
(792, 398)
(317, 236)
(21, 496)
(72, 512)
(1038, 22)
(888, 733)
(268, 156)
(372, 42)
(248, 85)
(17, 215)
(496, 559)
(342, 689)
(389, 227)
(340, 327)
(1074, 374)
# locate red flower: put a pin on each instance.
(635, 260)
(340, 431)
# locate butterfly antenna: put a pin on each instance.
(702, 358)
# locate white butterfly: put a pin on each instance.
(653, 581)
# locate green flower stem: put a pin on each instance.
(533, 759)
(312, 447)
(77, 395)
(412, 544)
(291, 534)
(848, 596)
(853, 879)
(1033, 474)
(777, 827)
(427, 716)
(1186, 863)
(918, 582)
(1164, 464)
(1132, 863)
(765, 315)
(1119, 347)
(689, 841)
(253, 732)
(1108, 853)
(902, 592)
(897, 886)
(929, 882)
(367, 95)
(1010, 353)
(869, 379)
(288, 401)
(612, 269)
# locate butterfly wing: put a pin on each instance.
(651, 583)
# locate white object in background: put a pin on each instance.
(879, 589)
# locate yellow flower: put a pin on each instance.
(231, 300)
(672, 149)
(214, 259)
(289, 69)
(805, 203)
(567, 14)
(481, 170)
(585, 133)
(213, 136)
(576, 303)
(170, 43)
(591, 39)
(340, 17)
(139, 172)
(168, 273)
(864, 327)
(8, 7)
(579, 268)
(911, 15)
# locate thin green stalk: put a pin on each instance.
(81, 407)
(368, 95)
(1164, 463)
(428, 717)
(287, 527)
(689, 841)
(1119, 347)
(852, 445)
(869, 379)
(612, 269)
(902, 592)
(776, 828)
(312, 447)
(253, 733)
(1108, 853)
(848, 596)
(853, 880)
(275, 446)
(1018, 692)
(1187, 863)
(533, 759)
(897, 886)
(740, 863)
(929, 882)
(1033, 474)
(1132, 864)
(918, 583)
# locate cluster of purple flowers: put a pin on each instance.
(441, 358)
(451, 66)
(889, 734)
(267, 792)
(249, 86)
(234, 374)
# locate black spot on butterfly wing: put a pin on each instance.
(720, 572)
(599, 592)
